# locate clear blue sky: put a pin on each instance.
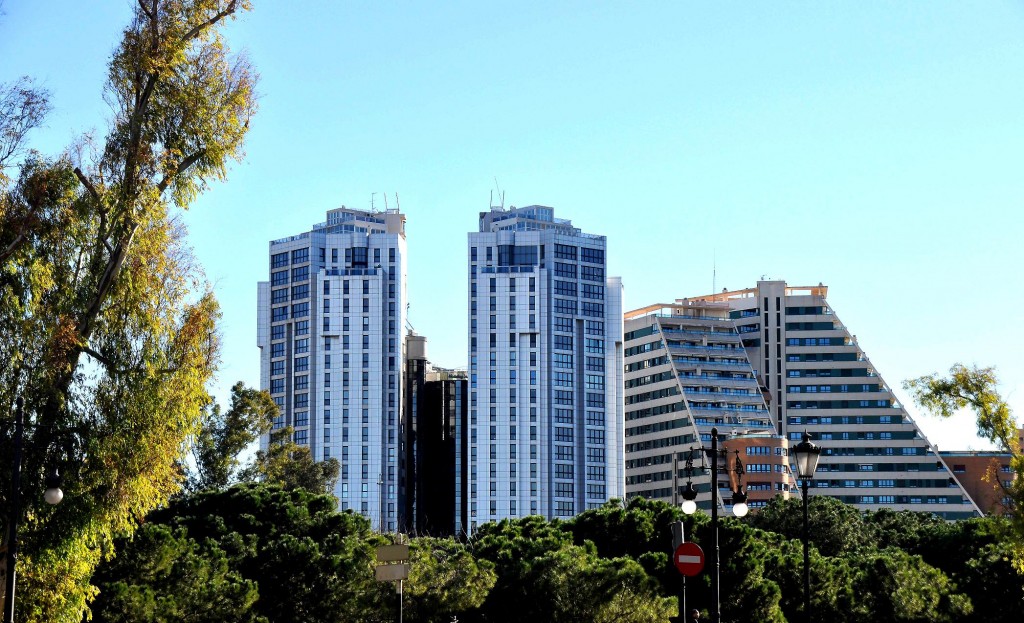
(875, 147)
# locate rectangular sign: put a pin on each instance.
(392, 573)
(392, 553)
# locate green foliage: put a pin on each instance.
(976, 389)
(952, 570)
(542, 575)
(626, 529)
(259, 552)
(224, 435)
(897, 586)
(748, 592)
(976, 555)
(292, 466)
(969, 388)
(162, 575)
(306, 561)
(834, 528)
(445, 580)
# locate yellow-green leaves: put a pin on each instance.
(976, 389)
(107, 329)
(969, 388)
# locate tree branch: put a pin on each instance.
(135, 130)
(97, 356)
(181, 168)
(114, 264)
(112, 368)
(11, 248)
(151, 14)
(88, 185)
(192, 34)
(23, 230)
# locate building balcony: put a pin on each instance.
(693, 362)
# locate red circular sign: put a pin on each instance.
(689, 559)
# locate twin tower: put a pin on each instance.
(566, 402)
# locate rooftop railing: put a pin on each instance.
(708, 333)
(351, 272)
(490, 270)
(289, 239)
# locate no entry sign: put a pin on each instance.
(689, 559)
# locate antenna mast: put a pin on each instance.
(501, 193)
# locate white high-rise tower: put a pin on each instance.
(329, 328)
(545, 366)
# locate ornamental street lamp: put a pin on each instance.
(739, 505)
(807, 455)
(53, 495)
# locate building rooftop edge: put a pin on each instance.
(728, 295)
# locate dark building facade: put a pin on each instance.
(434, 446)
(440, 452)
(416, 366)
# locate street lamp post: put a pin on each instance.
(53, 495)
(716, 589)
(739, 508)
(807, 455)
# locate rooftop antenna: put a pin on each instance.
(714, 271)
(501, 193)
(397, 207)
(385, 202)
(408, 325)
(372, 195)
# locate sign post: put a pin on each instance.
(395, 569)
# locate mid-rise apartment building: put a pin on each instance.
(818, 379)
(687, 373)
(329, 327)
(986, 475)
(545, 366)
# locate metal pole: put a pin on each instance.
(380, 500)
(15, 510)
(685, 614)
(675, 480)
(678, 538)
(715, 587)
(401, 600)
(807, 563)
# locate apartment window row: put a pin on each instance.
(826, 389)
(648, 379)
(657, 427)
(828, 372)
(652, 395)
(837, 404)
(846, 419)
(664, 442)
